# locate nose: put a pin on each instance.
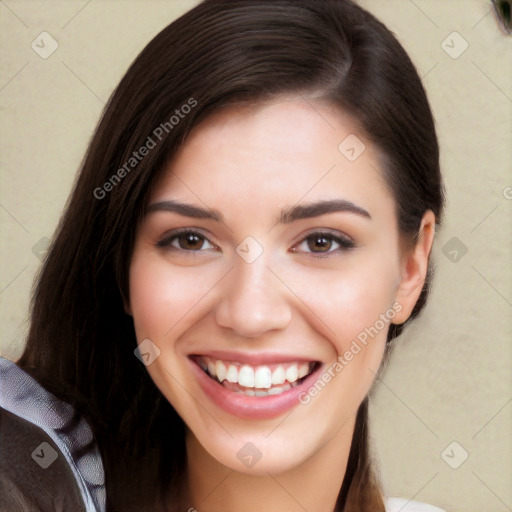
(253, 301)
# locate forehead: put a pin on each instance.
(274, 155)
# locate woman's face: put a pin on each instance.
(270, 250)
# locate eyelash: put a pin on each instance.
(165, 243)
(344, 242)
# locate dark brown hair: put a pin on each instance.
(220, 53)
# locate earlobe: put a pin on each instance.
(414, 268)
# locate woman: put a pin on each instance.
(251, 227)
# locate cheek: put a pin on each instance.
(353, 309)
(346, 302)
(164, 298)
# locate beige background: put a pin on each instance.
(449, 377)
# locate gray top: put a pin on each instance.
(49, 459)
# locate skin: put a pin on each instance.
(249, 164)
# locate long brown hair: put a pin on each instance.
(220, 53)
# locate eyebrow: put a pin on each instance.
(318, 208)
(287, 216)
(186, 210)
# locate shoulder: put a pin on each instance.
(403, 505)
(49, 458)
(33, 471)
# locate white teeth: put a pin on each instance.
(249, 392)
(278, 376)
(246, 376)
(232, 374)
(272, 391)
(220, 371)
(303, 370)
(260, 378)
(292, 373)
(263, 377)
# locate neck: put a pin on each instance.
(313, 485)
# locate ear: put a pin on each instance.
(414, 267)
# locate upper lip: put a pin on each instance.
(253, 358)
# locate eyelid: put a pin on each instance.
(165, 240)
(335, 233)
(345, 241)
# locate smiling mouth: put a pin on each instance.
(256, 380)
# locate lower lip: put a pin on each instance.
(262, 407)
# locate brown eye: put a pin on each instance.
(324, 244)
(190, 241)
(319, 243)
(186, 241)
